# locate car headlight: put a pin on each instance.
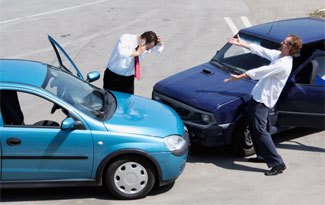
(155, 96)
(176, 144)
(205, 118)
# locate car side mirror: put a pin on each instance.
(68, 124)
(93, 76)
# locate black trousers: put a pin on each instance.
(113, 81)
(262, 140)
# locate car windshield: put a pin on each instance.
(237, 60)
(87, 98)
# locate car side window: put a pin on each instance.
(10, 108)
(318, 74)
(313, 73)
(29, 110)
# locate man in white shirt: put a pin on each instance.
(265, 94)
(123, 65)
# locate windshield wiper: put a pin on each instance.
(220, 65)
(97, 113)
(105, 100)
(234, 69)
(109, 104)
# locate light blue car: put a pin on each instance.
(59, 130)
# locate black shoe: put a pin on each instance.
(278, 169)
(256, 160)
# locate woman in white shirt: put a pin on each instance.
(271, 81)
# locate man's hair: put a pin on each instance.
(150, 36)
(295, 45)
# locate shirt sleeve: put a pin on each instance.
(265, 71)
(157, 49)
(123, 46)
(264, 52)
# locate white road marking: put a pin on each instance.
(231, 25)
(49, 12)
(246, 21)
(85, 40)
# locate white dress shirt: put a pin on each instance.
(272, 78)
(121, 62)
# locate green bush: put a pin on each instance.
(319, 13)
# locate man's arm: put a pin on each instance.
(255, 49)
(235, 77)
(263, 71)
(159, 47)
(124, 48)
(238, 42)
(258, 73)
(140, 50)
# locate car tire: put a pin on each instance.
(242, 144)
(130, 178)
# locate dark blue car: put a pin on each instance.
(213, 110)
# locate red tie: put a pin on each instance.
(137, 67)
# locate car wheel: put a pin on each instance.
(130, 178)
(242, 144)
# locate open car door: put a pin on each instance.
(302, 102)
(64, 59)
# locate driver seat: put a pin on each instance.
(315, 71)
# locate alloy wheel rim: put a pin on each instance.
(248, 138)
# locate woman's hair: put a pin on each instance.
(150, 36)
(295, 44)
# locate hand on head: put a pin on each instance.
(160, 42)
(141, 49)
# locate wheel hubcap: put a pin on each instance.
(131, 178)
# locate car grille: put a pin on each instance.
(187, 113)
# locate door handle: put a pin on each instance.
(13, 141)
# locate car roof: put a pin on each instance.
(308, 29)
(22, 72)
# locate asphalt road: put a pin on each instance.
(192, 32)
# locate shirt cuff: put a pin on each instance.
(159, 48)
(252, 47)
(250, 74)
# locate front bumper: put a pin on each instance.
(211, 136)
(171, 166)
(202, 130)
